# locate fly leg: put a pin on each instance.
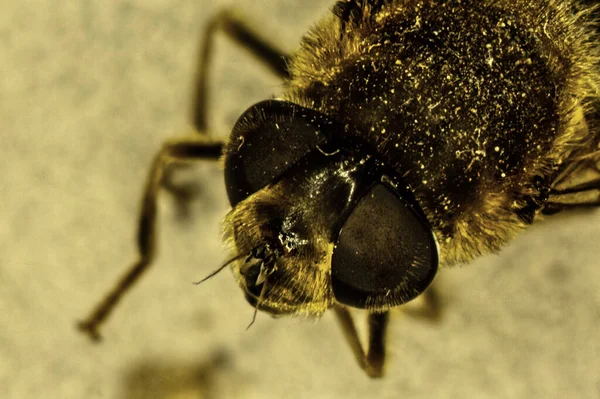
(373, 361)
(182, 152)
(237, 30)
(234, 28)
(177, 151)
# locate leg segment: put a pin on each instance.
(551, 207)
(239, 32)
(183, 151)
(374, 360)
(584, 194)
(576, 187)
(430, 309)
(179, 151)
(235, 29)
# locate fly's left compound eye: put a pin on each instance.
(386, 253)
(267, 140)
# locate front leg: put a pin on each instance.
(237, 30)
(373, 361)
(174, 152)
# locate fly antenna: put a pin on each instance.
(223, 266)
(258, 302)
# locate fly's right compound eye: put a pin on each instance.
(386, 253)
(267, 140)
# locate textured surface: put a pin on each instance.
(89, 92)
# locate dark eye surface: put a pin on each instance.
(385, 254)
(267, 140)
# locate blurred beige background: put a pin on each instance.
(89, 90)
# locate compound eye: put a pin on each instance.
(386, 253)
(266, 141)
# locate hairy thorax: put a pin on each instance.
(461, 97)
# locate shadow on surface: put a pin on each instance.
(158, 379)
